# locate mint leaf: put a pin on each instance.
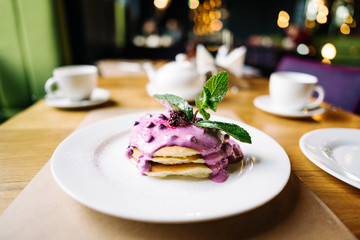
(213, 92)
(176, 103)
(204, 114)
(233, 130)
(218, 85)
(203, 102)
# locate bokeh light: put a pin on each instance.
(208, 17)
(323, 10)
(193, 4)
(345, 29)
(283, 19)
(316, 10)
(284, 16)
(215, 25)
(325, 60)
(302, 49)
(321, 18)
(328, 51)
(341, 14)
(161, 4)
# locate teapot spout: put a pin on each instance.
(150, 71)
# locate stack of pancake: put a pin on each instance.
(176, 160)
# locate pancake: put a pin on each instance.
(173, 155)
(176, 161)
(160, 149)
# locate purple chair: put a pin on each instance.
(341, 84)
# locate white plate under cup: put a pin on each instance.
(74, 82)
(294, 90)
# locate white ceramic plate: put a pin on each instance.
(336, 151)
(264, 103)
(90, 165)
(98, 96)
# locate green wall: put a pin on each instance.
(30, 48)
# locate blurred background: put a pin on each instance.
(39, 35)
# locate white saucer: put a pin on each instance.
(264, 103)
(189, 94)
(98, 96)
(336, 151)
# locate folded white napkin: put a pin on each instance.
(231, 61)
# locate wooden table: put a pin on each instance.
(27, 141)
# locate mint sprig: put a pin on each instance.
(213, 93)
(233, 130)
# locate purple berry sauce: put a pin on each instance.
(153, 132)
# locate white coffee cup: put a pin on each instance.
(294, 90)
(75, 82)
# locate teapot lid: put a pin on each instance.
(180, 58)
(180, 68)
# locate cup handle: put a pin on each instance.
(321, 94)
(49, 86)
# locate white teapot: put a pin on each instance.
(178, 77)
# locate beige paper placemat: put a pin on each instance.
(44, 211)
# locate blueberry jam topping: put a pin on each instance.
(193, 139)
(149, 139)
(174, 137)
(150, 125)
(163, 117)
(129, 151)
(178, 119)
